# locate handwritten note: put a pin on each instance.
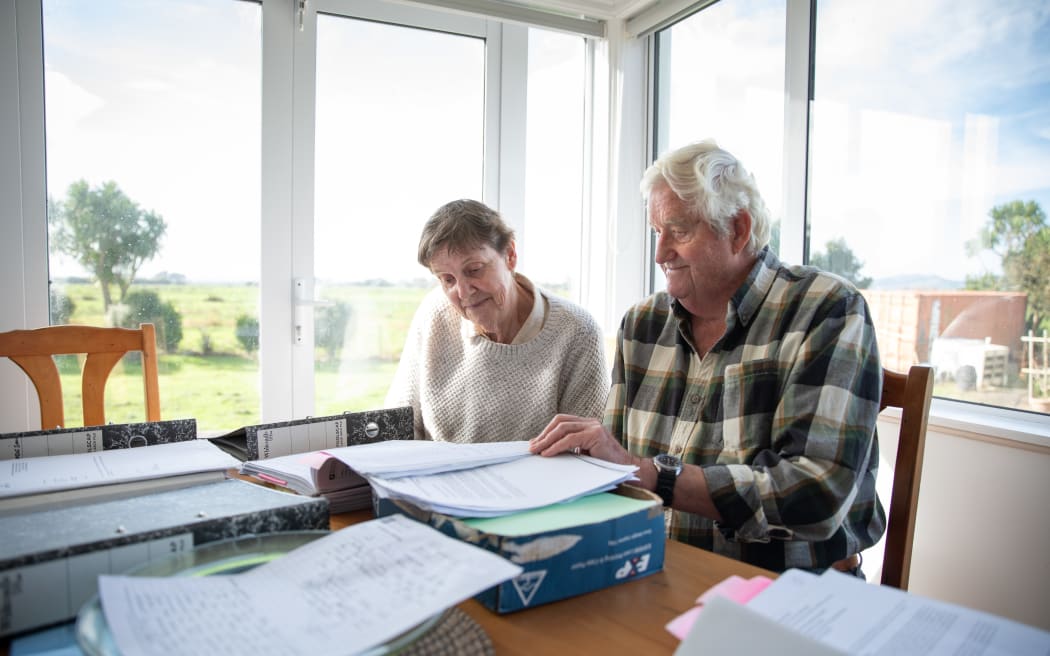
(347, 592)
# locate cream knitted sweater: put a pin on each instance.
(464, 387)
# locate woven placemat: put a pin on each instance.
(456, 634)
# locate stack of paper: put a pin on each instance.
(397, 458)
(463, 480)
(49, 481)
(344, 593)
(521, 484)
(834, 613)
(337, 474)
(315, 474)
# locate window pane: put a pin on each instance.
(153, 187)
(399, 132)
(927, 123)
(551, 243)
(720, 75)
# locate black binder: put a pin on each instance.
(50, 560)
(281, 438)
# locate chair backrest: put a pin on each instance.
(911, 393)
(32, 350)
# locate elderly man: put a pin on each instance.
(747, 393)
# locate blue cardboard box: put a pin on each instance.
(565, 556)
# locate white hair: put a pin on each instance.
(714, 184)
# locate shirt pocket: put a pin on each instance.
(750, 395)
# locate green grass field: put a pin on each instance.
(214, 380)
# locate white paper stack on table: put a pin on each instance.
(30, 484)
(463, 480)
(807, 614)
(314, 474)
(326, 473)
(341, 594)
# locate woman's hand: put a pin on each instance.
(580, 435)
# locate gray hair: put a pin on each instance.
(715, 185)
(463, 225)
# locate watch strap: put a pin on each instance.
(665, 480)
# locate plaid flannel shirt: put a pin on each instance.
(780, 413)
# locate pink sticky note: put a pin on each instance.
(315, 458)
(735, 588)
(738, 589)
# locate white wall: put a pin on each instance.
(982, 534)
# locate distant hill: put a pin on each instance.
(916, 281)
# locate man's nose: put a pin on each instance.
(664, 248)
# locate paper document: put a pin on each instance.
(64, 472)
(521, 484)
(856, 617)
(395, 458)
(309, 474)
(341, 594)
(726, 627)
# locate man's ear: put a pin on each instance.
(741, 225)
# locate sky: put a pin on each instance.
(919, 127)
(924, 116)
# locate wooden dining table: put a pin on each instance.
(627, 618)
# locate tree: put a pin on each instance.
(107, 233)
(841, 260)
(247, 332)
(145, 306)
(1018, 233)
(330, 327)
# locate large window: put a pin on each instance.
(257, 191)
(550, 246)
(153, 194)
(720, 75)
(400, 132)
(930, 182)
(927, 166)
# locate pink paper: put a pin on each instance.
(735, 588)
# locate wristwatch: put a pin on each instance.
(667, 469)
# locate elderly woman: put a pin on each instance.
(489, 356)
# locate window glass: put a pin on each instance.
(399, 132)
(153, 195)
(720, 75)
(550, 246)
(929, 185)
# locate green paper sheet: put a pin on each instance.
(590, 509)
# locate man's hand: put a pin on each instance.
(582, 435)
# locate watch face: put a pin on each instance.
(668, 462)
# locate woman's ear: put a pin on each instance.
(511, 255)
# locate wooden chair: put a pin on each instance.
(911, 392)
(32, 350)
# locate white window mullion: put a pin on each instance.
(23, 220)
(302, 243)
(494, 129)
(512, 103)
(275, 278)
(797, 67)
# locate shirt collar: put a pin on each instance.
(748, 298)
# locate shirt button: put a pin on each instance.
(694, 398)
